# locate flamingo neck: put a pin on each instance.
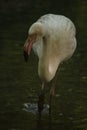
(47, 68)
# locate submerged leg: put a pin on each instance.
(41, 100)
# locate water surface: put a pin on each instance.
(19, 82)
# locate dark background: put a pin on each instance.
(19, 82)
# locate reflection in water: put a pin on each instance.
(41, 125)
(33, 108)
(19, 81)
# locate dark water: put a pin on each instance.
(19, 82)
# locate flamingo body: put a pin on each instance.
(52, 38)
(54, 43)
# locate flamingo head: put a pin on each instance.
(35, 32)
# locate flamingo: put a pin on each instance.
(53, 40)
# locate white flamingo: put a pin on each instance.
(53, 40)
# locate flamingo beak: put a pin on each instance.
(28, 45)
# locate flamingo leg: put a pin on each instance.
(41, 99)
(52, 93)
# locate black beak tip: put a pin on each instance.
(25, 56)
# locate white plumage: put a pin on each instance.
(53, 40)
